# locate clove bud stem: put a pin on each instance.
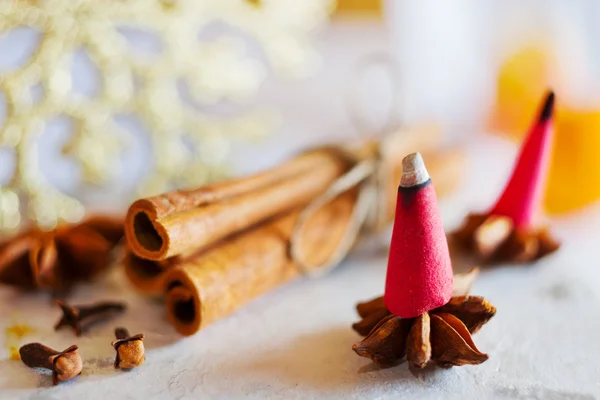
(74, 316)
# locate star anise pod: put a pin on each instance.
(494, 238)
(442, 335)
(58, 258)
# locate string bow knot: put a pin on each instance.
(368, 214)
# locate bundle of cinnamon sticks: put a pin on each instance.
(211, 250)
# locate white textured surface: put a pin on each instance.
(295, 343)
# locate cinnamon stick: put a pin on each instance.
(177, 222)
(147, 276)
(201, 291)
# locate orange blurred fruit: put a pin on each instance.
(522, 81)
(574, 179)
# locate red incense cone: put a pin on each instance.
(522, 197)
(419, 275)
(510, 231)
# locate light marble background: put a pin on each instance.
(295, 343)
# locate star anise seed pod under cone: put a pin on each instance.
(56, 259)
(494, 238)
(442, 335)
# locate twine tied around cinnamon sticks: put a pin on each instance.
(368, 214)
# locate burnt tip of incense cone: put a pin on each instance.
(548, 108)
(414, 172)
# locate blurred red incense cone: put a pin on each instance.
(511, 231)
(419, 275)
(522, 197)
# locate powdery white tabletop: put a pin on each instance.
(295, 343)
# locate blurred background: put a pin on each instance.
(103, 102)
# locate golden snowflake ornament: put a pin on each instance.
(174, 65)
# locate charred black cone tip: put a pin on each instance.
(546, 113)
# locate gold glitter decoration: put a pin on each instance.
(170, 90)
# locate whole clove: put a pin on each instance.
(75, 316)
(64, 364)
(130, 349)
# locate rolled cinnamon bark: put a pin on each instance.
(205, 289)
(178, 222)
(147, 276)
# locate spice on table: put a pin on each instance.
(75, 316)
(56, 259)
(148, 276)
(446, 331)
(510, 231)
(130, 349)
(174, 223)
(64, 364)
(425, 313)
